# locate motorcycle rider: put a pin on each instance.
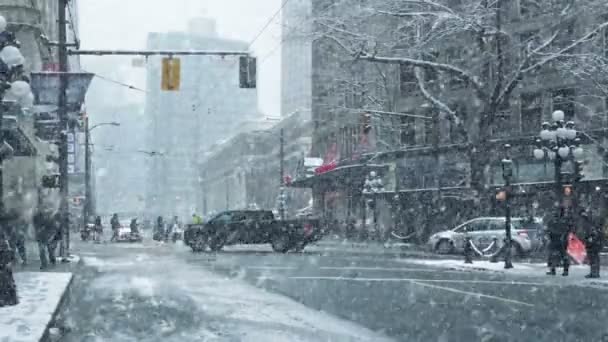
(115, 223)
(98, 229)
(133, 226)
(159, 229)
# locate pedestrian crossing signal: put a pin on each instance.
(171, 74)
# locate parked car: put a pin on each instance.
(527, 235)
(252, 227)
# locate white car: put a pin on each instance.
(483, 231)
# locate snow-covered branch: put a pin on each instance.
(435, 101)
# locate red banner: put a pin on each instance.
(576, 249)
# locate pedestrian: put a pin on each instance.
(98, 230)
(593, 242)
(45, 230)
(133, 226)
(115, 223)
(558, 230)
(16, 228)
(58, 232)
(159, 229)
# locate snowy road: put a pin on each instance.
(132, 292)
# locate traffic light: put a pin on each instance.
(247, 72)
(578, 171)
(501, 195)
(366, 122)
(171, 74)
(567, 190)
(51, 181)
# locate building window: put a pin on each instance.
(529, 8)
(531, 112)
(605, 41)
(429, 132)
(408, 131)
(407, 80)
(563, 99)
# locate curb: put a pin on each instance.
(65, 298)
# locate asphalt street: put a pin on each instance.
(376, 289)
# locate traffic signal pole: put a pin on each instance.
(63, 124)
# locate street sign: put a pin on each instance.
(71, 169)
(171, 74)
(247, 72)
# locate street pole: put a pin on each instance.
(87, 172)
(507, 172)
(282, 171)
(63, 119)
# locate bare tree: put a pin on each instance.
(478, 50)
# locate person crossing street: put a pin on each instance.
(558, 230)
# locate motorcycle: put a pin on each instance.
(86, 232)
(177, 233)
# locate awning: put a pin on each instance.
(341, 176)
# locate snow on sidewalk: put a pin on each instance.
(577, 272)
(39, 297)
(231, 309)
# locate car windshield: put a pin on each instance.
(303, 170)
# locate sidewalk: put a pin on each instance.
(532, 270)
(40, 296)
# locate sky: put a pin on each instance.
(124, 24)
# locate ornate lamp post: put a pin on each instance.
(371, 187)
(558, 141)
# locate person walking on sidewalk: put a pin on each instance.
(16, 228)
(45, 237)
(558, 229)
(593, 242)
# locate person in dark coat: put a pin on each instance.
(593, 242)
(45, 237)
(98, 229)
(133, 226)
(115, 223)
(16, 228)
(558, 229)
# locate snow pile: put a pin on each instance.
(39, 298)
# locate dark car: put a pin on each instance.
(251, 227)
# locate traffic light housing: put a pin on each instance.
(579, 174)
(51, 181)
(366, 123)
(171, 74)
(567, 190)
(247, 72)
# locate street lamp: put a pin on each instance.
(14, 86)
(507, 174)
(86, 209)
(558, 142)
(371, 187)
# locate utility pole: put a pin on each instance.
(87, 173)
(282, 174)
(63, 123)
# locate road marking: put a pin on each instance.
(455, 281)
(270, 267)
(402, 269)
(474, 294)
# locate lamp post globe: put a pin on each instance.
(3, 23)
(539, 153)
(578, 153)
(563, 152)
(20, 89)
(11, 56)
(557, 116)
